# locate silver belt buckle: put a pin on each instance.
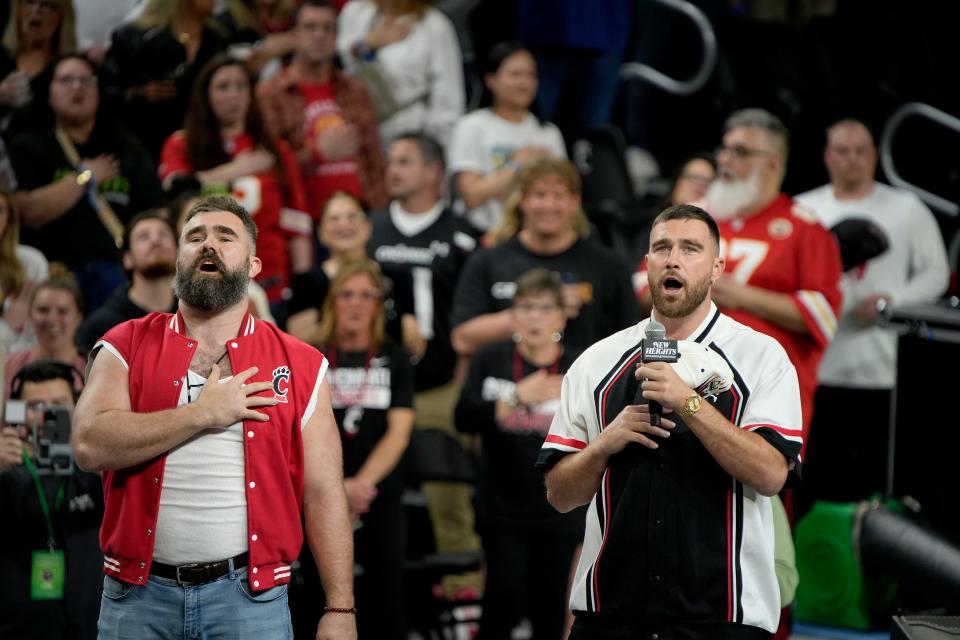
(185, 566)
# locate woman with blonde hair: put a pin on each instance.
(154, 60)
(371, 390)
(543, 226)
(21, 268)
(37, 31)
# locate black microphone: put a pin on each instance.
(656, 348)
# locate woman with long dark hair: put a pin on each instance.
(225, 146)
(490, 145)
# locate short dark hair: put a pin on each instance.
(150, 214)
(430, 150)
(689, 212)
(499, 53)
(312, 4)
(212, 204)
(537, 281)
(43, 370)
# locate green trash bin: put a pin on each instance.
(833, 589)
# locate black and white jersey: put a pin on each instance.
(601, 281)
(670, 536)
(428, 264)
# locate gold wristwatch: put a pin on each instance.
(83, 177)
(690, 406)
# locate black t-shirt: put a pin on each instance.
(430, 262)
(512, 488)
(76, 526)
(118, 308)
(78, 235)
(363, 389)
(609, 305)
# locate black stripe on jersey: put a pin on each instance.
(713, 321)
(738, 543)
(589, 588)
(741, 387)
(605, 382)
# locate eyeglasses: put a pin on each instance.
(530, 307)
(741, 152)
(46, 6)
(366, 296)
(700, 181)
(76, 81)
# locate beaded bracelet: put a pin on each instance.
(350, 610)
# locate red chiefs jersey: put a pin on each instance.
(785, 249)
(279, 212)
(156, 352)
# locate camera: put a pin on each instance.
(49, 434)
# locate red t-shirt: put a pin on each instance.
(321, 112)
(279, 211)
(785, 249)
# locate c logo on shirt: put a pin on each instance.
(281, 383)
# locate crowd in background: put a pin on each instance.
(419, 223)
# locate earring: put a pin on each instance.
(556, 336)
(516, 337)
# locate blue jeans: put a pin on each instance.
(225, 609)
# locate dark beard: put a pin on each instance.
(210, 294)
(694, 295)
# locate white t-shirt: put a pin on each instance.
(483, 142)
(913, 270)
(425, 69)
(203, 504)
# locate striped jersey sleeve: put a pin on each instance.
(773, 410)
(819, 297)
(572, 423)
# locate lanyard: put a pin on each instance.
(518, 365)
(42, 496)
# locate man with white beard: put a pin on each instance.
(783, 267)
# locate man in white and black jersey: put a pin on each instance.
(679, 532)
(419, 240)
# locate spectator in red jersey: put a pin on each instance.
(226, 147)
(783, 267)
(325, 115)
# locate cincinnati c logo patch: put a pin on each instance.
(281, 383)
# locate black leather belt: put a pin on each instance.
(199, 573)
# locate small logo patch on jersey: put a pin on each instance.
(281, 383)
(780, 228)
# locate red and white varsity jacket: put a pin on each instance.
(156, 353)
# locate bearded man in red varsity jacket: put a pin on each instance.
(214, 434)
